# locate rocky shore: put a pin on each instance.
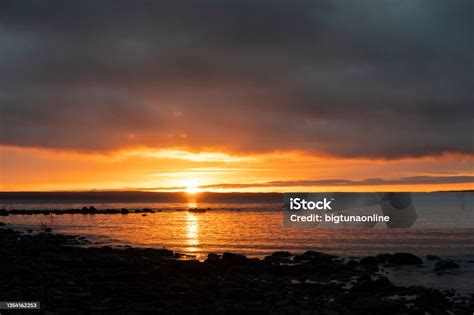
(89, 210)
(67, 277)
(83, 210)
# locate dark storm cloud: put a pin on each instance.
(365, 78)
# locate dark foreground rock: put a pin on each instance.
(405, 259)
(432, 257)
(446, 264)
(73, 279)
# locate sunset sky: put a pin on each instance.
(236, 95)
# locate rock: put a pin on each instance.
(233, 293)
(432, 257)
(364, 284)
(384, 258)
(281, 254)
(382, 284)
(197, 210)
(235, 259)
(2, 224)
(111, 211)
(145, 280)
(405, 259)
(352, 263)
(373, 305)
(271, 259)
(48, 230)
(369, 261)
(433, 297)
(106, 300)
(163, 252)
(314, 256)
(301, 258)
(212, 256)
(279, 257)
(277, 260)
(3, 212)
(446, 264)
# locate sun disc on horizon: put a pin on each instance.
(192, 187)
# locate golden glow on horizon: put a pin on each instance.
(26, 169)
(189, 156)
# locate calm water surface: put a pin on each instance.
(253, 230)
(257, 230)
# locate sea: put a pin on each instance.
(249, 224)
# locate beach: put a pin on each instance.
(68, 275)
(225, 256)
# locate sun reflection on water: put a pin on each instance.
(192, 204)
(192, 232)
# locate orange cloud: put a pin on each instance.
(39, 169)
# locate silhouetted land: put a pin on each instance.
(136, 196)
(68, 277)
(144, 196)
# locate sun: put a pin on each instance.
(192, 187)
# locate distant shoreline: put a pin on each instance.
(148, 196)
(140, 196)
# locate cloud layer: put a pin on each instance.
(382, 79)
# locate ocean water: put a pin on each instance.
(255, 230)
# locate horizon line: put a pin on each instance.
(219, 192)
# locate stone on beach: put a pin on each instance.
(446, 264)
(369, 260)
(405, 259)
(432, 257)
(282, 254)
(86, 279)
